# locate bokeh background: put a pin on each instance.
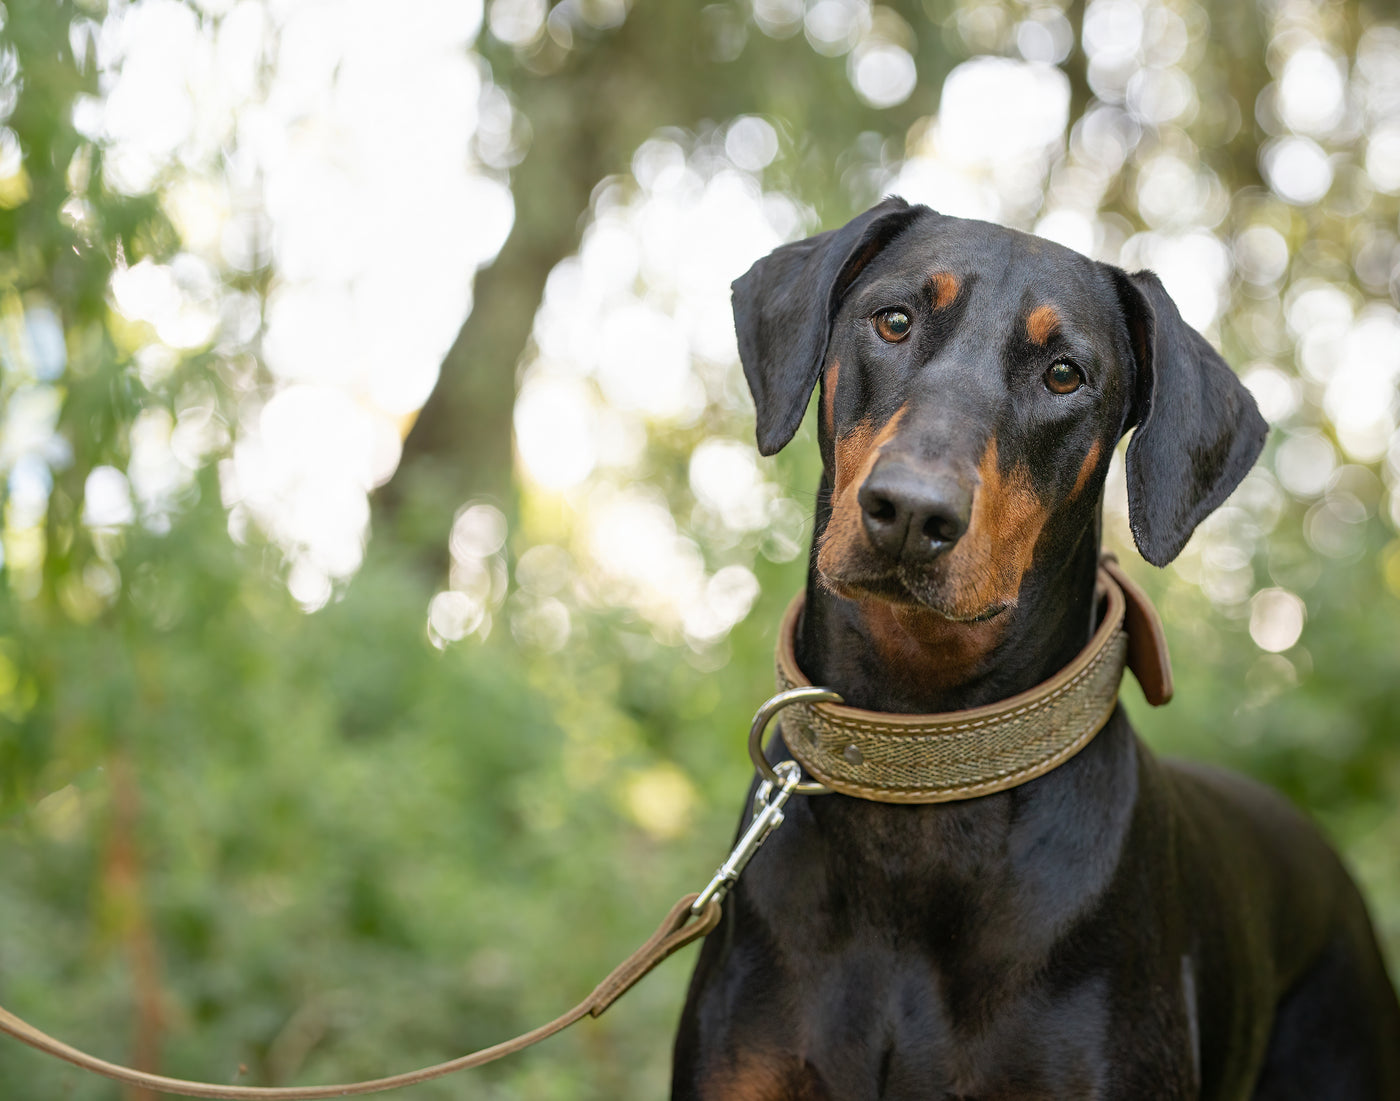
(387, 572)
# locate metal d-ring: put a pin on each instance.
(764, 715)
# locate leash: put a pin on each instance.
(691, 918)
(866, 754)
(681, 926)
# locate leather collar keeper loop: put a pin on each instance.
(936, 758)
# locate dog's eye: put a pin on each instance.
(892, 325)
(1063, 378)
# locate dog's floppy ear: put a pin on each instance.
(1198, 429)
(784, 306)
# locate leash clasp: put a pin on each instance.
(768, 816)
(765, 714)
(780, 782)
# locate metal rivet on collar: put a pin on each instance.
(853, 755)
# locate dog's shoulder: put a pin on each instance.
(1251, 833)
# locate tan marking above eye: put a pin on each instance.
(943, 288)
(1042, 323)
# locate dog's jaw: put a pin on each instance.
(907, 591)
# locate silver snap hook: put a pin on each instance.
(765, 714)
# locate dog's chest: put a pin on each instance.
(885, 1026)
(897, 1029)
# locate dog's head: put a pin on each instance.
(974, 382)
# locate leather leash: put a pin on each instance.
(681, 926)
(1129, 633)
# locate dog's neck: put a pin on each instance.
(901, 658)
(963, 865)
(982, 888)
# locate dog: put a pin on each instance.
(1118, 926)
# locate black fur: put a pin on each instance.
(1198, 430)
(1121, 927)
(784, 307)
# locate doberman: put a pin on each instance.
(1121, 926)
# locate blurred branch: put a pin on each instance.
(123, 888)
(1240, 35)
(460, 443)
(1076, 65)
(604, 97)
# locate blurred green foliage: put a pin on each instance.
(238, 839)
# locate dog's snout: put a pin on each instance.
(910, 516)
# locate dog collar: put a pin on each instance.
(895, 758)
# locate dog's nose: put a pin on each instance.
(913, 517)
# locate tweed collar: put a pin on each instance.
(897, 758)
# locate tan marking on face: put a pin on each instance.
(926, 647)
(1042, 323)
(829, 396)
(923, 651)
(1091, 462)
(943, 286)
(856, 453)
(986, 566)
